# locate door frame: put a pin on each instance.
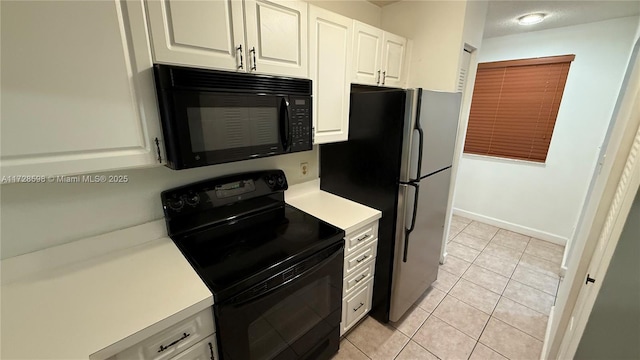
(604, 214)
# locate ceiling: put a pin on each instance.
(382, 3)
(502, 15)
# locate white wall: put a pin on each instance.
(436, 29)
(361, 10)
(544, 200)
(37, 216)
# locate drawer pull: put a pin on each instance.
(360, 279)
(359, 306)
(211, 350)
(163, 348)
(363, 259)
(363, 238)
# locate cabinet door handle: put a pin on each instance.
(378, 79)
(363, 238)
(163, 348)
(211, 351)
(255, 66)
(241, 66)
(359, 306)
(360, 278)
(384, 76)
(363, 259)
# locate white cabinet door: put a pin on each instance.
(367, 54)
(277, 37)
(77, 88)
(197, 33)
(393, 52)
(330, 43)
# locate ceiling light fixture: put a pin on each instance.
(531, 19)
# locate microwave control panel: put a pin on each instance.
(300, 117)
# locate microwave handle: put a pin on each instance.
(285, 126)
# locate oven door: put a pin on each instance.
(293, 315)
(214, 128)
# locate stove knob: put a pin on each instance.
(280, 180)
(175, 204)
(271, 181)
(192, 199)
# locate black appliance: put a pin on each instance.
(275, 271)
(211, 117)
(398, 160)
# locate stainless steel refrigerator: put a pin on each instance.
(398, 160)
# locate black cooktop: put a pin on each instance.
(233, 256)
(237, 231)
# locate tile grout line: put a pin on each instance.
(494, 307)
(447, 293)
(502, 294)
(356, 346)
(509, 278)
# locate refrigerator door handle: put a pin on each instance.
(413, 220)
(421, 139)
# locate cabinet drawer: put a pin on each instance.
(358, 259)
(359, 277)
(360, 238)
(356, 306)
(173, 340)
(204, 350)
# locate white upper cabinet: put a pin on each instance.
(277, 37)
(250, 36)
(198, 33)
(77, 88)
(330, 44)
(393, 52)
(367, 61)
(378, 57)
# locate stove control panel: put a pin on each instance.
(223, 191)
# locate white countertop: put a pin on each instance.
(343, 213)
(95, 297)
(97, 306)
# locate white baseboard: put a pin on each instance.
(563, 271)
(539, 234)
(443, 258)
(547, 335)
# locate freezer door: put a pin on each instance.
(423, 245)
(438, 118)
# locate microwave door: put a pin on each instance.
(217, 128)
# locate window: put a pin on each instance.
(514, 107)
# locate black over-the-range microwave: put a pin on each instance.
(211, 117)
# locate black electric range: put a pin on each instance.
(275, 271)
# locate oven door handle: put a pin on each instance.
(260, 290)
(285, 126)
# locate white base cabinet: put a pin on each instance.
(379, 57)
(359, 270)
(77, 88)
(190, 339)
(330, 48)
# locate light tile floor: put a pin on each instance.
(491, 301)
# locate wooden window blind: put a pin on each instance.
(514, 107)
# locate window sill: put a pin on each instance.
(503, 160)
